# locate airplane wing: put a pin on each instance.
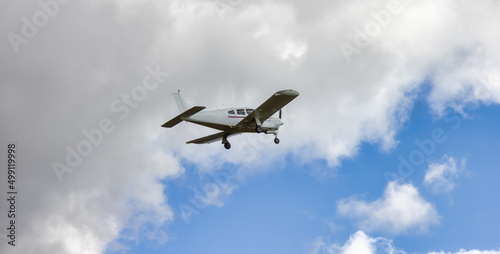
(210, 139)
(269, 107)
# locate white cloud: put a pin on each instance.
(214, 193)
(462, 251)
(359, 243)
(441, 176)
(399, 210)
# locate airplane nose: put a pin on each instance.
(288, 92)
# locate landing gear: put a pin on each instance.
(226, 143)
(276, 139)
(258, 129)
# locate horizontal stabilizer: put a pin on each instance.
(183, 115)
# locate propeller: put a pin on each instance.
(280, 113)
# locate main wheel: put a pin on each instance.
(276, 140)
(227, 145)
(258, 129)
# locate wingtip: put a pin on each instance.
(288, 92)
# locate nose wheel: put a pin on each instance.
(227, 145)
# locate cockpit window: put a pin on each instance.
(249, 110)
(231, 112)
(240, 111)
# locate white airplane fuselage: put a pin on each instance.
(227, 119)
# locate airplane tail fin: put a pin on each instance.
(182, 102)
(185, 108)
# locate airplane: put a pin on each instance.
(233, 121)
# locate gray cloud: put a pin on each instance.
(65, 79)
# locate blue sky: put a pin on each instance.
(286, 209)
(391, 146)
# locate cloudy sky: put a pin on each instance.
(391, 147)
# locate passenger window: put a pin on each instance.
(240, 111)
(249, 110)
(231, 112)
